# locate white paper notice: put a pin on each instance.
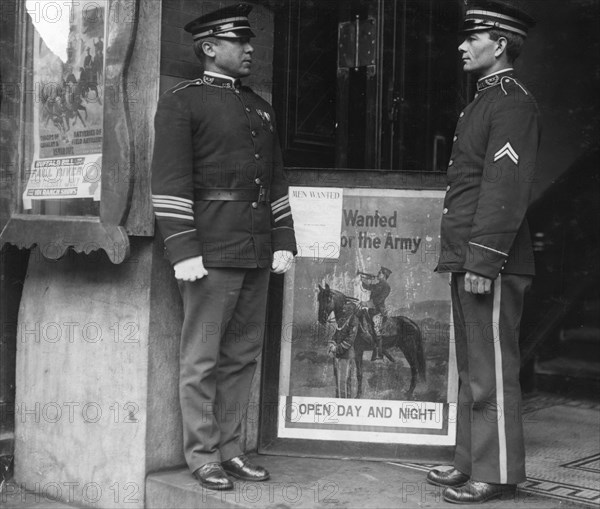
(317, 213)
(65, 177)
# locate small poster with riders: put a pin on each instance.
(68, 67)
(367, 353)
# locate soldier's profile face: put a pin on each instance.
(478, 53)
(233, 57)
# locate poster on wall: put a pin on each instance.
(367, 353)
(68, 70)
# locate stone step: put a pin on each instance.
(309, 483)
(571, 367)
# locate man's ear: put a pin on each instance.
(208, 48)
(500, 46)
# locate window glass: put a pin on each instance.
(369, 84)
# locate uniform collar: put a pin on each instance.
(220, 80)
(491, 80)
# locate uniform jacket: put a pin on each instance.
(379, 292)
(490, 176)
(214, 135)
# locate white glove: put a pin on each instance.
(190, 269)
(282, 261)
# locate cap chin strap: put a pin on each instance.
(480, 25)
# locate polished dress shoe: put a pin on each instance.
(447, 478)
(476, 492)
(213, 477)
(241, 468)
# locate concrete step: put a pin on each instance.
(309, 483)
(588, 369)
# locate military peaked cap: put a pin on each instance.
(227, 23)
(385, 271)
(500, 14)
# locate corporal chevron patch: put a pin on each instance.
(507, 151)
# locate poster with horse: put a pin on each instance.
(68, 68)
(367, 353)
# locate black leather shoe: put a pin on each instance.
(213, 477)
(241, 468)
(447, 478)
(476, 492)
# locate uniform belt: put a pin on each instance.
(259, 194)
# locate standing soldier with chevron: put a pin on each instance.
(486, 246)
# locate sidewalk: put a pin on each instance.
(298, 483)
(308, 483)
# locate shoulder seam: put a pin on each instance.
(508, 79)
(184, 84)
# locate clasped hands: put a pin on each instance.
(193, 269)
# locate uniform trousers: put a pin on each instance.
(222, 335)
(489, 439)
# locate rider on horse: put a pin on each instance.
(380, 289)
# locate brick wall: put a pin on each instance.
(178, 61)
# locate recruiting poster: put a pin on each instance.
(380, 293)
(68, 69)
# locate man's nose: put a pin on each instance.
(249, 48)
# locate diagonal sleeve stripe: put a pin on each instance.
(279, 218)
(179, 234)
(175, 216)
(284, 206)
(173, 207)
(281, 200)
(172, 199)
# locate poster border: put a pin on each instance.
(280, 306)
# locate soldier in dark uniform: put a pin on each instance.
(222, 208)
(486, 246)
(380, 291)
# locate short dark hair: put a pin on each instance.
(198, 46)
(514, 42)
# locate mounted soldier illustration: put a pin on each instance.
(380, 289)
(355, 334)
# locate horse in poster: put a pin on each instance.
(353, 336)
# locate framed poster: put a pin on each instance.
(371, 278)
(80, 147)
(68, 69)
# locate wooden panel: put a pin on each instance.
(132, 72)
(55, 235)
(144, 80)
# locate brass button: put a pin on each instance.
(256, 156)
(462, 114)
(257, 182)
(254, 205)
(253, 132)
(448, 188)
(248, 109)
(445, 211)
(455, 138)
(451, 162)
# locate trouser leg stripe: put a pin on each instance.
(499, 381)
